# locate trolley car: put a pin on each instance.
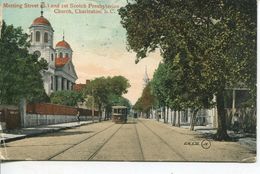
(119, 114)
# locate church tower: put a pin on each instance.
(41, 33)
(65, 75)
(63, 49)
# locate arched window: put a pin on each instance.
(38, 36)
(46, 37)
(67, 55)
(61, 55)
(56, 55)
(31, 37)
(51, 57)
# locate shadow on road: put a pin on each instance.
(63, 133)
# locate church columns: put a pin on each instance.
(65, 84)
(59, 83)
(62, 83)
(69, 85)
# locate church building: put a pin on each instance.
(61, 74)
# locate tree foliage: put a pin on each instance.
(146, 102)
(105, 89)
(212, 44)
(69, 98)
(19, 71)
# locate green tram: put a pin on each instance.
(119, 114)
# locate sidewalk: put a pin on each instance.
(246, 139)
(34, 131)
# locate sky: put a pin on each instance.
(98, 40)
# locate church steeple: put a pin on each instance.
(146, 78)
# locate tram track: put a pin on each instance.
(85, 139)
(139, 143)
(100, 147)
(165, 142)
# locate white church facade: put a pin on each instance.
(61, 74)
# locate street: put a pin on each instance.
(142, 140)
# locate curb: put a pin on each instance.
(41, 133)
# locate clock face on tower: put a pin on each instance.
(37, 53)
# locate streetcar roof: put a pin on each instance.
(119, 107)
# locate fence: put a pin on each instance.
(50, 109)
(46, 113)
(10, 117)
(87, 112)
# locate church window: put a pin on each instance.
(67, 55)
(38, 36)
(31, 36)
(46, 37)
(51, 57)
(61, 55)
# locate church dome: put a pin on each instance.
(63, 44)
(41, 21)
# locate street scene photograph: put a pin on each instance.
(128, 80)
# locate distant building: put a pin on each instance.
(80, 87)
(88, 103)
(61, 74)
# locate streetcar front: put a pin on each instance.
(119, 114)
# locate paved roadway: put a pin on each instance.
(144, 140)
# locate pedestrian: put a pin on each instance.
(78, 117)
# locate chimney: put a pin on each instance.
(87, 82)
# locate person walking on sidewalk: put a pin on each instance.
(78, 117)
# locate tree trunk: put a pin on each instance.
(174, 119)
(106, 113)
(222, 127)
(193, 119)
(164, 118)
(229, 120)
(100, 113)
(157, 116)
(167, 115)
(179, 119)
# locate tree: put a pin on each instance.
(69, 98)
(171, 85)
(19, 71)
(118, 85)
(146, 102)
(217, 39)
(159, 84)
(104, 89)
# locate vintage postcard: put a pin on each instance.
(128, 80)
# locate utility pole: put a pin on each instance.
(93, 105)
